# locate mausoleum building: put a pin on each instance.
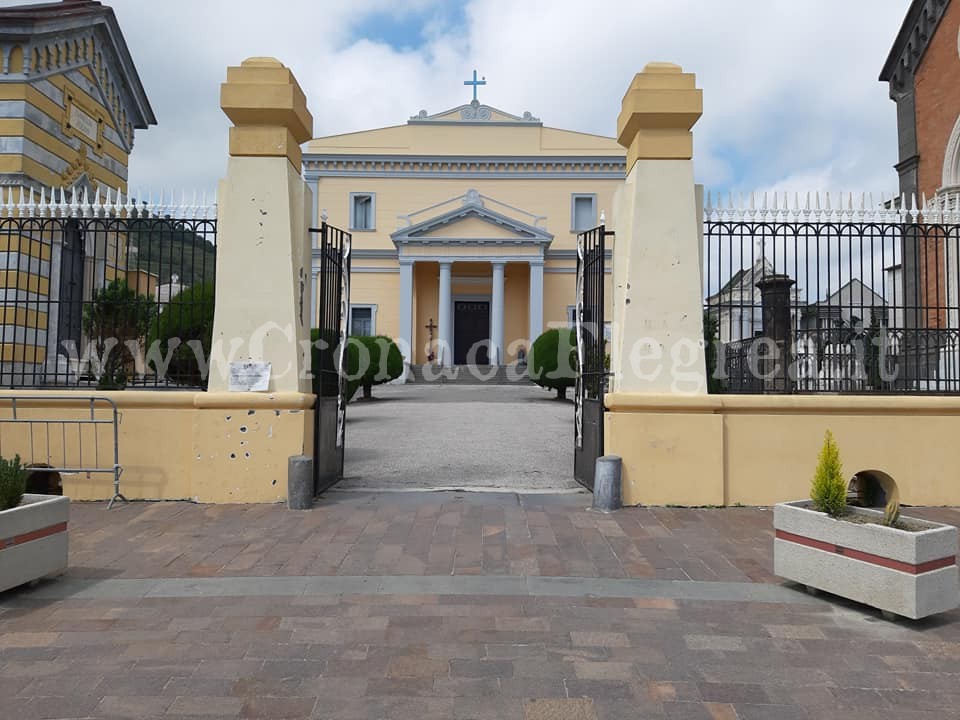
(464, 226)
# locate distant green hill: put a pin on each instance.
(170, 247)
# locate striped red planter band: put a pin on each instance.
(33, 535)
(912, 568)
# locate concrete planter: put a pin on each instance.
(33, 540)
(913, 574)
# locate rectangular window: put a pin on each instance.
(571, 315)
(362, 320)
(362, 211)
(583, 212)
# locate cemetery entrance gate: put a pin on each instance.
(591, 353)
(329, 355)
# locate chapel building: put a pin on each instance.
(464, 226)
(922, 70)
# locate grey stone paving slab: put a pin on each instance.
(228, 586)
(418, 584)
(341, 585)
(460, 585)
(92, 589)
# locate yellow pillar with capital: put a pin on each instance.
(263, 290)
(657, 349)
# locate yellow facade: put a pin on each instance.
(471, 189)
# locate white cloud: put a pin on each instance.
(790, 88)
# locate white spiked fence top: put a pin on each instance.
(58, 202)
(830, 207)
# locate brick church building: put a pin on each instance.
(922, 69)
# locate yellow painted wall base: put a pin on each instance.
(207, 447)
(727, 449)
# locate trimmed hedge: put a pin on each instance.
(552, 362)
(362, 350)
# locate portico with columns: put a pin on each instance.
(454, 267)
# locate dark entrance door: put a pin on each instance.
(471, 329)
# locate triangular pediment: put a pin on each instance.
(470, 220)
(474, 112)
(473, 226)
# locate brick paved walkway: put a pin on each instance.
(366, 608)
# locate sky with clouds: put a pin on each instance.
(791, 96)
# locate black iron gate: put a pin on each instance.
(329, 355)
(591, 353)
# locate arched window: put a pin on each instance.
(951, 162)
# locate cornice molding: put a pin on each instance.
(561, 167)
(911, 43)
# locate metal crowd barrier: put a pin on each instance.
(42, 435)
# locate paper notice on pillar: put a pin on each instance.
(249, 376)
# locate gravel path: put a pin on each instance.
(416, 437)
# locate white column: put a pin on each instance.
(496, 316)
(406, 309)
(536, 299)
(312, 238)
(314, 202)
(315, 318)
(445, 344)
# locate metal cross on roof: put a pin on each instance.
(475, 83)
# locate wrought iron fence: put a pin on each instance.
(105, 294)
(848, 296)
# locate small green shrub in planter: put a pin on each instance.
(189, 318)
(13, 482)
(552, 362)
(828, 489)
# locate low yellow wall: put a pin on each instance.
(207, 447)
(760, 450)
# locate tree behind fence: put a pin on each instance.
(105, 293)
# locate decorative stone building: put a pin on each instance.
(922, 71)
(70, 97)
(70, 101)
(464, 226)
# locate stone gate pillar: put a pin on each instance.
(657, 356)
(242, 440)
(657, 295)
(264, 206)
